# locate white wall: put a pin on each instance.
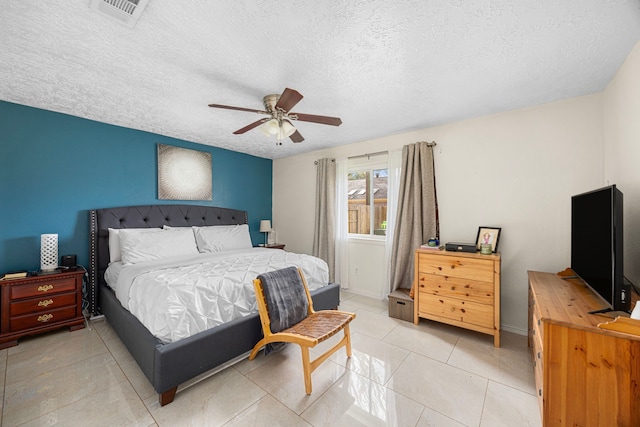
(367, 269)
(516, 170)
(622, 154)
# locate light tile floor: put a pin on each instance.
(400, 375)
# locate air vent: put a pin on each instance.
(125, 11)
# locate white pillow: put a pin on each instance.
(139, 247)
(115, 253)
(218, 238)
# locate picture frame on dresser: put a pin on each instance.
(490, 235)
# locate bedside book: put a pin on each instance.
(14, 275)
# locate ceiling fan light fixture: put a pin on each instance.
(287, 128)
(278, 108)
(271, 127)
(281, 134)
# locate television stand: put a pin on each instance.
(585, 375)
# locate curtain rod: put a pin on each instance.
(368, 155)
(316, 162)
(429, 143)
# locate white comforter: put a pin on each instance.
(180, 297)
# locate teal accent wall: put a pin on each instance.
(55, 168)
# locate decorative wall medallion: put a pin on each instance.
(183, 174)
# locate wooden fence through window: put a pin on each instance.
(360, 218)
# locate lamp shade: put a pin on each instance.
(271, 127)
(48, 252)
(265, 226)
(287, 128)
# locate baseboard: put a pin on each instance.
(515, 330)
(365, 294)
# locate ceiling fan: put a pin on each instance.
(278, 123)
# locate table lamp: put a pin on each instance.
(265, 227)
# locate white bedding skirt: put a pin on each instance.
(179, 297)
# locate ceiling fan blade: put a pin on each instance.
(296, 137)
(288, 99)
(250, 126)
(227, 107)
(325, 120)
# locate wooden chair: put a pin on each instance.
(310, 331)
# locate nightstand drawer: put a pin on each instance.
(458, 310)
(44, 303)
(42, 318)
(474, 290)
(67, 284)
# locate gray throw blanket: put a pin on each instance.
(286, 300)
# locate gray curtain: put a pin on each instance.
(417, 214)
(324, 240)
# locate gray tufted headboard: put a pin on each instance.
(149, 216)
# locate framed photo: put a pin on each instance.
(488, 235)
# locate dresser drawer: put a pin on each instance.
(67, 284)
(44, 303)
(458, 310)
(42, 318)
(457, 266)
(538, 374)
(455, 287)
(537, 331)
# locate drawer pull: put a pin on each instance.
(45, 318)
(45, 303)
(45, 288)
(401, 302)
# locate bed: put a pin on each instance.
(167, 365)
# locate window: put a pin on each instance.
(367, 196)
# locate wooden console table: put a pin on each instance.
(585, 375)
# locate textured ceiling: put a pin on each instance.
(382, 66)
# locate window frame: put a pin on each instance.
(369, 164)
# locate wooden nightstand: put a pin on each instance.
(37, 304)
(275, 246)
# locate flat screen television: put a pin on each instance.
(596, 245)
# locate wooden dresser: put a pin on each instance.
(36, 304)
(585, 375)
(458, 288)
